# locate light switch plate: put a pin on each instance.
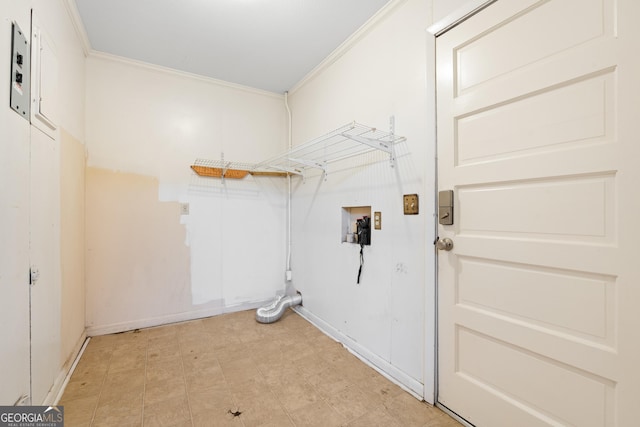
(377, 220)
(411, 204)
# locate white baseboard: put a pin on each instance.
(71, 370)
(149, 322)
(392, 373)
(57, 388)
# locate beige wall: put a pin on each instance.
(388, 315)
(72, 241)
(135, 245)
(146, 263)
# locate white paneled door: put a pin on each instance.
(539, 137)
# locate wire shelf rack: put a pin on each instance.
(351, 140)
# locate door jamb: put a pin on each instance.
(471, 8)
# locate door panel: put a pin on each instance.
(547, 123)
(541, 298)
(45, 256)
(14, 256)
(569, 209)
(536, 138)
(14, 229)
(534, 32)
(518, 374)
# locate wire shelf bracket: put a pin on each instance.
(387, 147)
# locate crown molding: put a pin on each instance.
(78, 26)
(184, 74)
(349, 43)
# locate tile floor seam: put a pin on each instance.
(184, 381)
(104, 380)
(144, 384)
(286, 411)
(324, 399)
(233, 397)
(271, 391)
(320, 397)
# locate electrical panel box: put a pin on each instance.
(20, 73)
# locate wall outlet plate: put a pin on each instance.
(410, 204)
(377, 220)
(184, 208)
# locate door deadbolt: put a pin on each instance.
(445, 207)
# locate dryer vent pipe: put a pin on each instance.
(274, 311)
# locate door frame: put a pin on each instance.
(466, 11)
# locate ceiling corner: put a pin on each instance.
(78, 26)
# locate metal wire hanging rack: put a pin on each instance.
(351, 140)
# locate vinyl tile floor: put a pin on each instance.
(229, 370)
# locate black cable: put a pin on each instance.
(361, 261)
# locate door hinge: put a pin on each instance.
(23, 400)
(34, 275)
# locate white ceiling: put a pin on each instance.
(264, 44)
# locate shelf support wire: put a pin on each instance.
(392, 135)
(345, 142)
(224, 167)
(290, 170)
(310, 163)
(376, 144)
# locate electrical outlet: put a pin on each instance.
(411, 204)
(184, 208)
